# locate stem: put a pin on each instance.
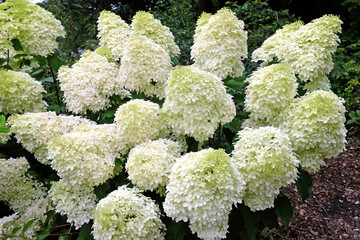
(8, 59)
(64, 225)
(55, 83)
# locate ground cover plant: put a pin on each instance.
(126, 144)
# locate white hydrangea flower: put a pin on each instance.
(76, 202)
(137, 121)
(201, 22)
(265, 158)
(145, 24)
(7, 224)
(271, 89)
(320, 83)
(5, 137)
(149, 164)
(145, 67)
(220, 45)
(34, 130)
(315, 124)
(89, 83)
(202, 189)
(16, 189)
(36, 28)
(20, 93)
(113, 33)
(126, 214)
(86, 156)
(196, 103)
(308, 50)
(271, 46)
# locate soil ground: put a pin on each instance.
(333, 211)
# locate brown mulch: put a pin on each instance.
(333, 211)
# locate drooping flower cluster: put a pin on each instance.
(196, 103)
(34, 130)
(271, 89)
(76, 202)
(202, 189)
(89, 83)
(113, 33)
(220, 44)
(316, 126)
(271, 46)
(86, 156)
(137, 121)
(20, 93)
(23, 195)
(265, 158)
(145, 66)
(145, 24)
(35, 28)
(126, 214)
(307, 48)
(149, 164)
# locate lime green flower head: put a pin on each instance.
(89, 83)
(202, 189)
(201, 22)
(266, 160)
(126, 214)
(35, 28)
(220, 44)
(76, 202)
(271, 46)
(149, 164)
(145, 67)
(196, 103)
(20, 93)
(316, 126)
(34, 130)
(145, 24)
(271, 89)
(137, 121)
(308, 50)
(86, 156)
(113, 33)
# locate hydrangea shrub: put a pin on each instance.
(160, 161)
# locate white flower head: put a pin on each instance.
(86, 156)
(89, 83)
(76, 202)
(145, 24)
(113, 33)
(20, 93)
(137, 121)
(202, 189)
(196, 103)
(145, 66)
(271, 89)
(126, 214)
(220, 44)
(267, 162)
(149, 164)
(315, 124)
(34, 130)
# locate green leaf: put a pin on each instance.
(17, 45)
(251, 221)
(47, 80)
(43, 234)
(27, 225)
(352, 115)
(64, 237)
(235, 83)
(284, 209)
(175, 230)
(269, 218)
(2, 61)
(304, 184)
(37, 73)
(2, 120)
(358, 113)
(85, 232)
(102, 190)
(15, 230)
(49, 215)
(55, 62)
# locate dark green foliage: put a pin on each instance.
(304, 184)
